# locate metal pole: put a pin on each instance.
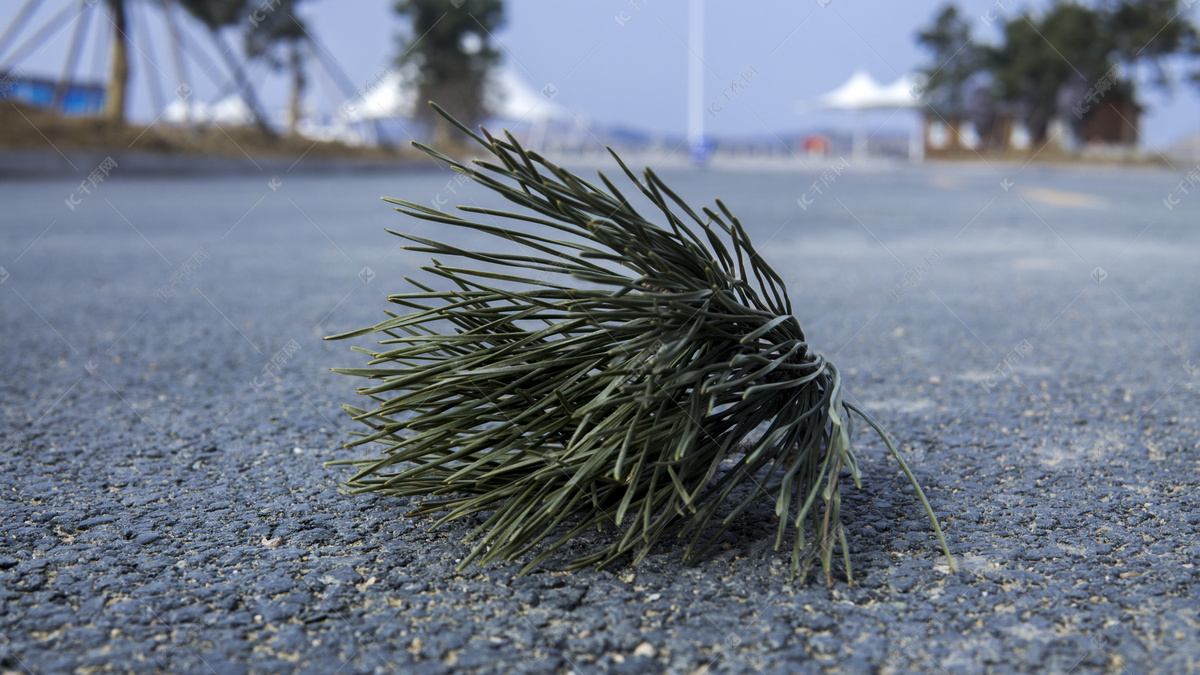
(55, 23)
(68, 72)
(695, 103)
(18, 22)
(155, 85)
(177, 57)
(244, 86)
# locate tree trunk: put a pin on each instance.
(445, 134)
(118, 73)
(298, 84)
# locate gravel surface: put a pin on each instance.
(1022, 331)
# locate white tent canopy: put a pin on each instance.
(395, 95)
(519, 101)
(905, 92)
(862, 92)
(229, 111)
(392, 95)
(513, 98)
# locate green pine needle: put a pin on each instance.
(668, 382)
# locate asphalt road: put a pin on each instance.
(166, 406)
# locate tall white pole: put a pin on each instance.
(695, 104)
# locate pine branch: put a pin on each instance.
(648, 379)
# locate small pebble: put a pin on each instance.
(935, 380)
(271, 543)
(645, 649)
(298, 451)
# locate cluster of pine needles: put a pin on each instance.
(614, 374)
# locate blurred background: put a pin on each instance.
(1101, 80)
(983, 212)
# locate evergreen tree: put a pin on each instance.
(278, 36)
(1149, 31)
(1067, 46)
(1070, 46)
(955, 60)
(449, 51)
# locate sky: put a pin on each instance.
(624, 62)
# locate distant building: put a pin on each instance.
(1114, 120)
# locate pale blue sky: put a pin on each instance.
(635, 74)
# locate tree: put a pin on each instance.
(1065, 50)
(1148, 31)
(118, 76)
(955, 60)
(216, 14)
(1067, 46)
(449, 51)
(280, 29)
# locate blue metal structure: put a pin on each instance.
(76, 99)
